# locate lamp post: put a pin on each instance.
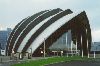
(31, 52)
(44, 47)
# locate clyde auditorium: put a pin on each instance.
(48, 26)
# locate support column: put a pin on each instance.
(84, 42)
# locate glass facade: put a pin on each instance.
(60, 43)
(63, 42)
(95, 46)
(3, 38)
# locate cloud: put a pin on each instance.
(96, 35)
(13, 11)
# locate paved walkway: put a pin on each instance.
(9, 63)
(5, 61)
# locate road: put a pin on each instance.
(77, 63)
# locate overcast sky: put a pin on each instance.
(13, 11)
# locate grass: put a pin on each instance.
(51, 60)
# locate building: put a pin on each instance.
(95, 47)
(4, 34)
(45, 28)
(63, 42)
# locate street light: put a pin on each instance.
(31, 52)
(44, 47)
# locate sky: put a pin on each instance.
(13, 11)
